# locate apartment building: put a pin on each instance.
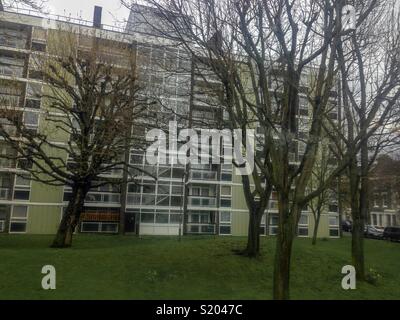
(199, 199)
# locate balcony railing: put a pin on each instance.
(103, 197)
(203, 175)
(99, 216)
(202, 201)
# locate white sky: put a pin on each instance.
(112, 9)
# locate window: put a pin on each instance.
(38, 46)
(161, 218)
(224, 230)
(11, 66)
(147, 217)
(303, 220)
(225, 190)
(19, 219)
(32, 104)
(225, 217)
(34, 90)
(31, 120)
(333, 221)
(226, 203)
(226, 177)
(163, 188)
(225, 220)
(106, 227)
(333, 226)
(303, 232)
(333, 208)
(333, 233)
(376, 200)
(385, 199)
(303, 226)
(374, 219)
(22, 187)
(175, 218)
(134, 188)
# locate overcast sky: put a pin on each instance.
(112, 9)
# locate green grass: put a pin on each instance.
(115, 267)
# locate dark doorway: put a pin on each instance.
(130, 222)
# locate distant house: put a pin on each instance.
(385, 192)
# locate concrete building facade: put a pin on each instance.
(215, 202)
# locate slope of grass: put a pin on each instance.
(116, 267)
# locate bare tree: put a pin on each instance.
(90, 105)
(269, 55)
(320, 172)
(370, 66)
(33, 4)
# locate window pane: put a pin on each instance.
(109, 227)
(163, 189)
(175, 218)
(333, 232)
(34, 90)
(134, 188)
(18, 226)
(90, 227)
(225, 230)
(22, 181)
(303, 231)
(149, 188)
(161, 218)
(225, 203)
(303, 219)
(31, 118)
(225, 217)
(20, 212)
(333, 221)
(225, 190)
(147, 217)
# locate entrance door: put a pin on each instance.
(130, 222)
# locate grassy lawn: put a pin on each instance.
(115, 267)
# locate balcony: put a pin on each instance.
(209, 202)
(203, 175)
(103, 197)
(100, 216)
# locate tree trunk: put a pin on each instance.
(253, 238)
(357, 238)
(283, 250)
(316, 225)
(63, 238)
(282, 262)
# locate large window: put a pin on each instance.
(19, 219)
